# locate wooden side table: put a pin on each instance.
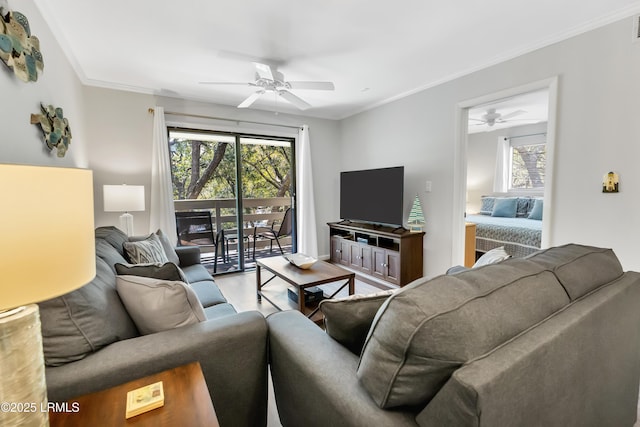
(186, 403)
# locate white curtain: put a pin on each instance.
(501, 179)
(307, 233)
(162, 213)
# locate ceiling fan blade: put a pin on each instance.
(312, 85)
(298, 102)
(512, 114)
(251, 99)
(266, 71)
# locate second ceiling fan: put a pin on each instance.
(269, 79)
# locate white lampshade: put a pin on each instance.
(123, 198)
(47, 249)
(47, 245)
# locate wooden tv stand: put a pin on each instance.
(393, 255)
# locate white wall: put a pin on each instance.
(22, 142)
(597, 131)
(481, 159)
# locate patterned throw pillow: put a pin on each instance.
(487, 205)
(145, 251)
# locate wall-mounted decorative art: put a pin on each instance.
(19, 50)
(55, 127)
(610, 183)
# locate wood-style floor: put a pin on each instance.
(240, 291)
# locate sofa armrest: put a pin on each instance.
(314, 378)
(232, 352)
(188, 255)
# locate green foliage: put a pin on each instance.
(266, 169)
(528, 166)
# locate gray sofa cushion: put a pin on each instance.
(109, 255)
(208, 293)
(348, 320)
(580, 269)
(166, 271)
(429, 328)
(114, 236)
(85, 320)
(196, 273)
(157, 305)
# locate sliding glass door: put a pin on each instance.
(247, 184)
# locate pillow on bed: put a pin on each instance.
(536, 212)
(505, 208)
(486, 206)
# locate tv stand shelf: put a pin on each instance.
(392, 254)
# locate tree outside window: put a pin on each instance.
(528, 164)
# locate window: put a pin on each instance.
(527, 165)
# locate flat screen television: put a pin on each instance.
(373, 195)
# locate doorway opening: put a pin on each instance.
(512, 121)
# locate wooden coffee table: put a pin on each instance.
(320, 273)
(186, 403)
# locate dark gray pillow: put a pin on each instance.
(347, 320)
(429, 328)
(83, 321)
(166, 271)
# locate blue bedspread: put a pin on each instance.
(519, 236)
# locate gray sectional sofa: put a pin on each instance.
(552, 339)
(91, 343)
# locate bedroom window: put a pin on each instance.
(527, 165)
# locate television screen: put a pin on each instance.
(373, 195)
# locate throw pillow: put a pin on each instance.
(145, 251)
(157, 305)
(487, 205)
(506, 207)
(536, 212)
(166, 271)
(492, 257)
(169, 250)
(429, 328)
(347, 320)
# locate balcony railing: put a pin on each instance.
(256, 212)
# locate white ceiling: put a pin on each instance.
(524, 109)
(374, 51)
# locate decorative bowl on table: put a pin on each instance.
(300, 260)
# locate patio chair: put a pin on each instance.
(271, 233)
(195, 228)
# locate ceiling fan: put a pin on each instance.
(269, 79)
(492, 117)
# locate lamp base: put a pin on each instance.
(23, 383)
(126, 223)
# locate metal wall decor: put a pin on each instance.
(19, 50)
(55, 128)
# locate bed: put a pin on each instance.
(519, 231)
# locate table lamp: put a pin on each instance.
(124, 198)
(47, 249)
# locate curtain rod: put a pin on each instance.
(173, 113)
(524, 136)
